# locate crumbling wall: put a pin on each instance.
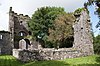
(46, 54)
(82, 33)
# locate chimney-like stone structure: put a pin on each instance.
(82, 33)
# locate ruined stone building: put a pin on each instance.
(18, 28)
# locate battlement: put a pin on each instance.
(18, 15)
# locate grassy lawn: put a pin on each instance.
(7, 60)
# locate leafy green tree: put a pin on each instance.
(97, 44)
(42, 20)
(62, 31)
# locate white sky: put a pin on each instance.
(28, 7)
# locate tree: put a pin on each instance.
(42, 20)
(62, 31)
(97, 44)
(97, 12)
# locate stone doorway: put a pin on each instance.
(23, 44)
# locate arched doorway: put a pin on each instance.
(24, 44)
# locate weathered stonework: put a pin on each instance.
(82, 34)
(46, 54)
(5, 43)
(18, 26)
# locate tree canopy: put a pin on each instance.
(97, 44)
(43, 18)
(50, 25)
(62, 30)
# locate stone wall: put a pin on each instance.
(5, 43)
(46, 54)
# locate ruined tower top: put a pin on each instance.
(10, 9)
(18, 15)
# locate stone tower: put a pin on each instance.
(18, 26)
(82, 33)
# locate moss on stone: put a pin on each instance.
(79, 10)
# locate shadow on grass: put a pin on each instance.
(87, 65)
(47, 63)
(56, 63)
(11, 61)
(98, 59)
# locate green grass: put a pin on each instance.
(94, 60)
(8, 60)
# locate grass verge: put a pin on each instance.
(94, 60)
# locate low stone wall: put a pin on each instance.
(46, 54)
(16, 52)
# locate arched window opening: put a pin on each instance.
(22, 33)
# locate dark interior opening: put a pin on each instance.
(27, 43)
(67, 43)
(30, 33)
(81, 27)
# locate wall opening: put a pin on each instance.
(68, 43)
(30, 33)
(1, 36)
(22, 33)
(65, 42)
(20, 22)
(27, 43)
